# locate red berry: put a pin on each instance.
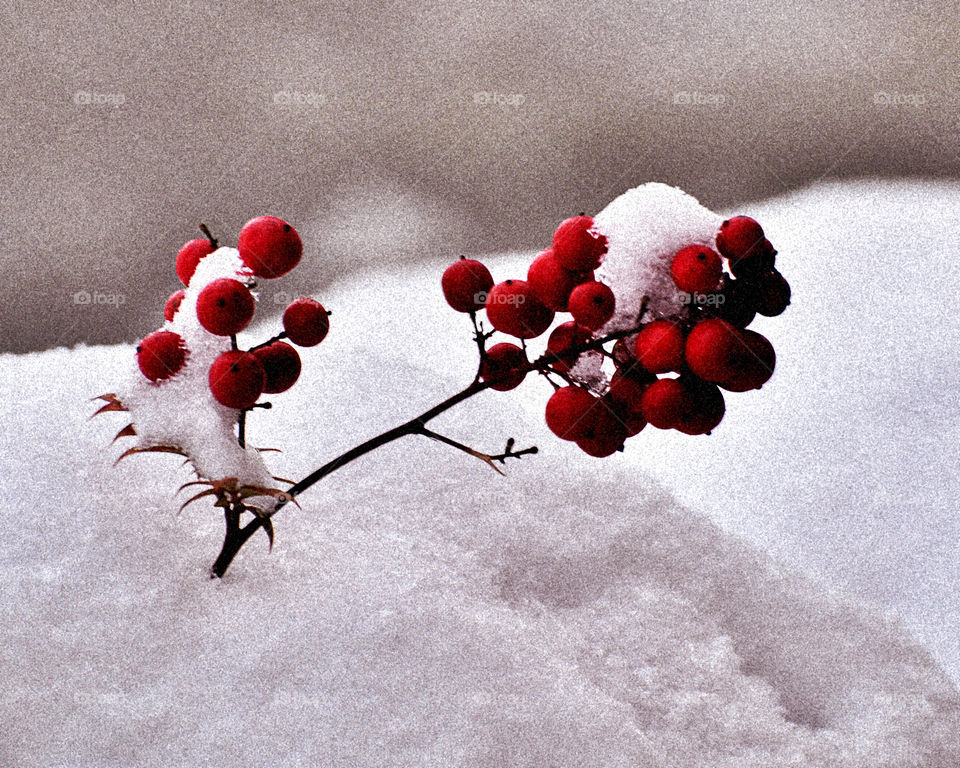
(465, 285)
(281, 364)
(606, 435)
(551, 282)
(755, 363)
(739, 236)
(696, 269)
(708, 408)
(173, 304)
(626, 391)
(506, 365)
(774, 294)
(659, 347)
(713, 350)
(739, 306)
(269, 246)
(566, 336)
(592, 304)
(512, 308)
(571, 412)
(306, 322)
(225, 306)
(237, 379)
(666, 403)
(189, 256)
(161, 354)
(576, 246)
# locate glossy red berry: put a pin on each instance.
(269, 246)
(505, 365)
(755, 363)
(551, 282)
(626, 391)
(189, 256)
(773, 293)
(161, 354)
(571, 412)
(659, 347)
(577, 246)
(173, 304)
(281, 365)
(696, 269)
(465, 285)
(666, 403)
(225, 306)
(707, 410)
(562, 338)
(237, 379)
(713, 350)
(606, 434)
(739, 237)
(592, 304)
(306, 322)
(513, 308)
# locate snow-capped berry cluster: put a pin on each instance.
(193, 364)
(658, 279)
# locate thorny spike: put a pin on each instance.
(127, 431)
(208, 492)
(113, 405)
(151, 449)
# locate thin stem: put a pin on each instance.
(268, 342)
(214, 243)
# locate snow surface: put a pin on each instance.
(423, 611)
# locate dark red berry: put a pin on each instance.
(505, 365)
(161, 354)
(225, 306)
(666, 403)
(281, 364)
(739, 237)
(269, 246)
(189, 256)
(696, 269)
(551, 282)
(659, 347)
(739, 305)
(571, 412)
(577, 246)
(562, 338)
(605, 435)
(465, 285)
(773, 293)
(708, 407)
(713, 350)
(306, 322)
(173, 304)
(512, 308)
(592, 304)
(756, 361)
(237, 379)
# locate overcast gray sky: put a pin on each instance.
(386, 131)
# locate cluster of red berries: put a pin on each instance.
(709, 347)
(269, 248)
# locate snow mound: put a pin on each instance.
(645, 227)
(180, 411)
(420, 610)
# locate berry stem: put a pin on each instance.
(242, 428)
(214, 243)
(268, 342)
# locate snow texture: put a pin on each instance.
(645, 227)
(180, 411)
(420, 610)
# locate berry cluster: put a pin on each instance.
(707, 346)
(269, 248)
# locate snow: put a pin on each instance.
(423, 611)
(180, 411)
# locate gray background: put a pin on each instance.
(361, 124)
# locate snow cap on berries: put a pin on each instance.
(645, 227)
